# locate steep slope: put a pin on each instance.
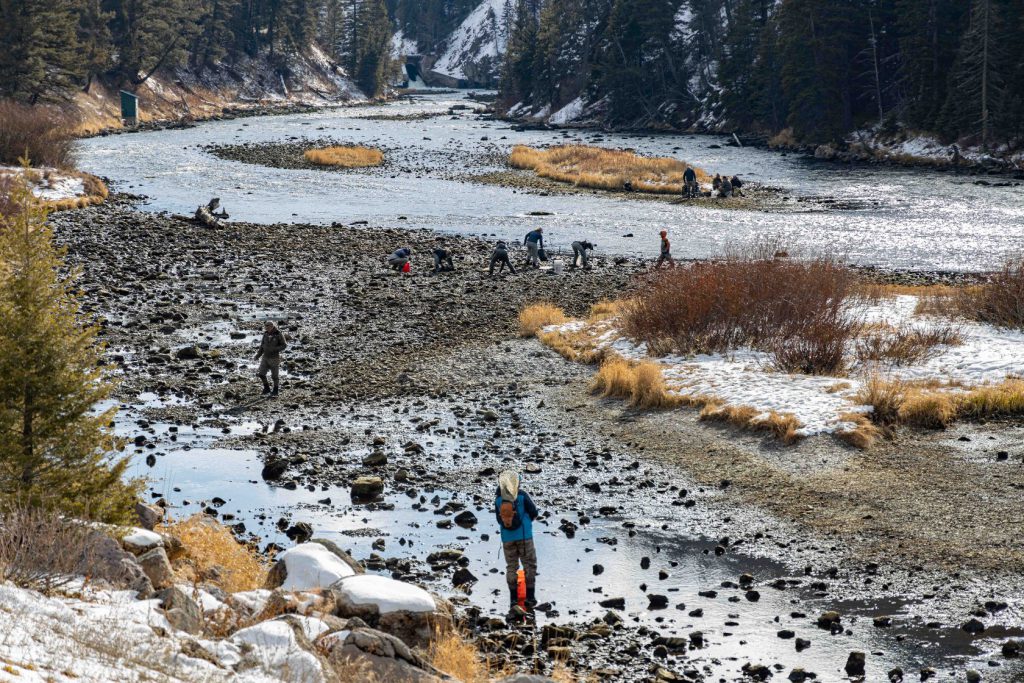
(474, 51)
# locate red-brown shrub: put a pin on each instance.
(41, 133)
(798, 309)
(1000, 301)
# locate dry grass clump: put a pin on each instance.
(604, 169)
(453, 654)
(533, 318)
(345, 157)
(579, 346)
(784, 138)
(642, 384)
(799, 310)
(211, 550)
(936, 407)
(41, 550)
(603, 310)
(42, 134)
(863, 434)
(905, 345)
(782, 426)
(999, 400)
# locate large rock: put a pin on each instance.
(526, 678)
(157, 568)
(181, 610)
(367, 488)
(310, 566)
(375, 655)
(110, 562)
(149, 515)
(282, 647)
(140, 541)
(405, 611)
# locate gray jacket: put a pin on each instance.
(271, 346)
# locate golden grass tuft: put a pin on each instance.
(453, 654)
(604, 169)
(209, 545)
(353, 156)
(614, 379)
(603, 310)
(930, 409)
(783, 426)
(998, 400)
(864, 433)
(885, 396)
(533, 318)
(649, 390)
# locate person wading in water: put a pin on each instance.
(515, 512)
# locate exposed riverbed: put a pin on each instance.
(745, 541)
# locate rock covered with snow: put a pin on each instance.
(406, 611)
(313, 565)
(283, 647)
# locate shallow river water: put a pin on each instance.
(914, 219)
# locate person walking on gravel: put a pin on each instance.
(269, 355)
(534, 242)
(666, 252)
(515, 512)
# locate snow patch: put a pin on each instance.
(311, 565)
(568, 113)
(387, 594)
(477, 44)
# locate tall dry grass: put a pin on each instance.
(936, 407)
(906, 344)
(538, 316)
(800, 310)
(43, 551)
(345, 157)
(451, 652)
(604, 169)
(211, 549)
(42, 134)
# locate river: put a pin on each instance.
(911, 219)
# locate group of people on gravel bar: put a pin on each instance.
(273, 341)
(401, 259)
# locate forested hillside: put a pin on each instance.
(50, 48)
(817, 69)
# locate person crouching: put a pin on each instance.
(400, 258)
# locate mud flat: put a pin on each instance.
(711, 550)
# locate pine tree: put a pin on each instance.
(54, 448)
(94, 39)
(978, 78)
(38, 49)
(520, 56)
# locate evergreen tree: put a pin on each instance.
(517, 74)
(54, 447)
(38, 49)
(373, 59)
(979, 75)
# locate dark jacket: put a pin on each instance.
(500, 249)
(526, 511)
(583, 246)
(736, 182)
(535, 236)
(271, 346)
(404, 252)
(689, 175)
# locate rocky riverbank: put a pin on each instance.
(670, 549)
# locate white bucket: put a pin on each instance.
(556, 266)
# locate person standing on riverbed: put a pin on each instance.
(269, 355)
(534, 242)
(515, 512)
(666, 252)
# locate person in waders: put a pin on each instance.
(269, 355)
(515, 512)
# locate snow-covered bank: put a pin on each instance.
(60, 189)
(747, 378)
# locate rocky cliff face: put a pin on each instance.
(473, 52)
